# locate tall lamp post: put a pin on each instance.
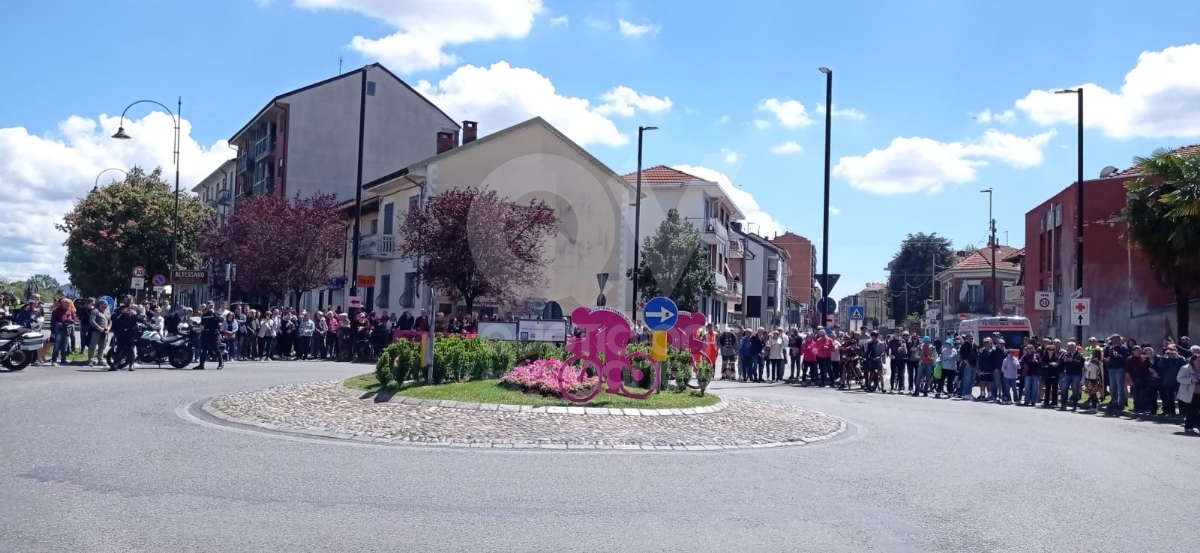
(637, 220)
(96, 184)
(825, 225)
(122, 135)
(992, 244)
(1078, 205)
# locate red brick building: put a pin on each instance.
(802, 258)
(967, 288)
(1125, 296)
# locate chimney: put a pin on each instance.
(446, 141)
(470, 131)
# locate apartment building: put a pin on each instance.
(307, 140)
(874, 301)
(802, 287)
(707, 207)
(967, 288)
(217, 189)
(528, 161)
(761, 268)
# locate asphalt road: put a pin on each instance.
(105, 462)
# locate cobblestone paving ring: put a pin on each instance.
(324, 409)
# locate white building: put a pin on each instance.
(530, 160)
(306, 141)
(762, 268)
(706, 206)
(216, 190)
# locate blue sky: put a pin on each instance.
(916, 71)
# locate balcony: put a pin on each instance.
(737, 249)
(243, 162)
(262, 147)
(714, 232)
(975, 307)
(224, 197)
(725, 290)
(377, 246)
(211, 203)
(262, 187)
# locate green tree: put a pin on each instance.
(1162, 214)
(129, 223)
(46, 284)
(674, 263)
(913, 269)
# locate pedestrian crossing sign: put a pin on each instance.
(856, 313)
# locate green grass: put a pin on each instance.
(489, 391)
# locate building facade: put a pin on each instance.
(704, 205)
(307, 140)
(874, 301)
(760, 268)
(529, 161)
(1126, 297)
(802, 262)
(967, 288)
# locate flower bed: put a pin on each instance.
(542, 377)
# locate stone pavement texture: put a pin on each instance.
(325, 409)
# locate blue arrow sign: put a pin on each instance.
(857, 313)
(660, 314)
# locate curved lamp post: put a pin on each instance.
(122, 135)
(96, 184)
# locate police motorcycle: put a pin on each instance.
(19, 344)
(152, 347)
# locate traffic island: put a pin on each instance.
(330, 410)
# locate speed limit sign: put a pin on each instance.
(1043, 301)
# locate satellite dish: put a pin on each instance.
(1108, 171)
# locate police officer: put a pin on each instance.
(210, 329)
(124, 326)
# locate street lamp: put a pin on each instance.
(825, 226)
(992, 243)
(122, 135)
(1078, 204)
(637, 219)
(96, 184)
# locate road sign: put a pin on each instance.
(1081, 312)
(1043, 301)
(366, 281)
(112, 304)
(827, 282)
(660, 314)
(159, 280)
(857, 313)
(137, 283)
(189, 277)
(829, 305)
(139, 272)
(658, 345)
(355, 302)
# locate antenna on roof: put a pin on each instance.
(339, 65)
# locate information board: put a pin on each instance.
(493, 330)
(540, 330)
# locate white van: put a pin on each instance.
(1014, 330)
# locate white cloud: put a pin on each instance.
(623, 100)
(843, 113)
(502, 95)
(789, 147)
(43, 176)
(764, 223)
(424, 28)
(560, 20)
(722, 120)
(762, 124)
(834, 211)
(730, 156)
(1160, 98)
(633, 29)
(790, 113)
(986, 116)
(918, 164)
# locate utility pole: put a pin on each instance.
(354, 245)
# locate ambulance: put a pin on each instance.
(1015, 331)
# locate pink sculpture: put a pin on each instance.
(602, 352)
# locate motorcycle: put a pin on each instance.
(152, 347)
(19, 343)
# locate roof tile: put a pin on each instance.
(1136, 171)
(982, 259)
(661, 174)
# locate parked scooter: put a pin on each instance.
(19, 343)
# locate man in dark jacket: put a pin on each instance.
(728, 343)
(125, 328)
(758, 342)
(968, 363)
(210, 330)
(1166, 376)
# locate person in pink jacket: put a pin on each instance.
(808, 351)
(825, 348)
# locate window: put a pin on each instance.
(370, 88)
(385, 287)
(974, 293)
(389, 213)
(409, 295)
(414, 201)
(374, 226)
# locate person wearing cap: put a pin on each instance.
(927, 357)
(948, 358)
(1162, 386)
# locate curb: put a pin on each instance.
(552, 410)
(431, 442)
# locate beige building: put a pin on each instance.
(528, 161)
(873, 298)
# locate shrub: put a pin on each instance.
(400, 362)
(704, 374)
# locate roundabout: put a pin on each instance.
(328, 409)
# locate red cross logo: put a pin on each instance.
(1080, 307)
